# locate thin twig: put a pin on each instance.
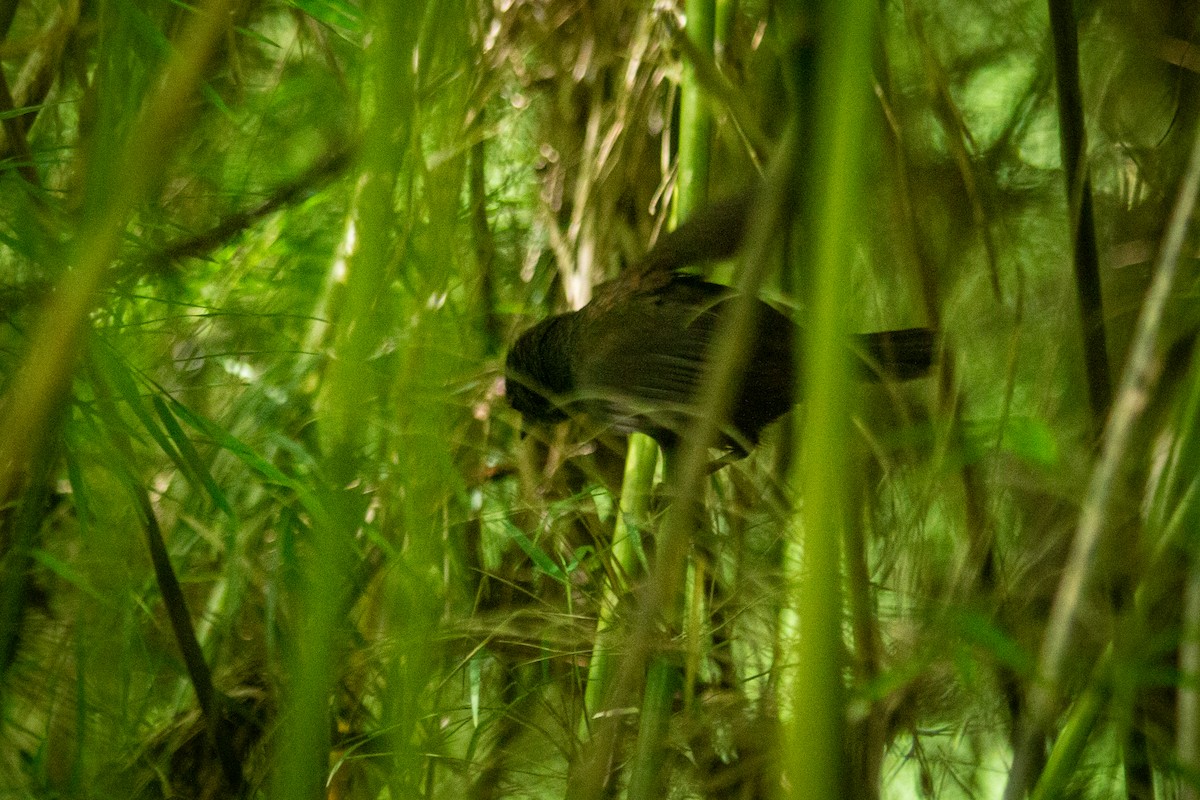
(14, 131)
(325, 169)
(484, 242)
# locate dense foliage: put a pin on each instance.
(270, 528)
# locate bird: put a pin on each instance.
(634, 358)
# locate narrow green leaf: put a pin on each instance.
(121, 380)
(65, 571)
(188, 454)
(237, 447)
(334, 13)
(537, 555)
(248, 456)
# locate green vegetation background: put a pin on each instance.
(269, 528)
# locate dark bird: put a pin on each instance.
(633, 358)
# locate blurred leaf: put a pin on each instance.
(334, 13)
(170, 438)
(983, 632)
(68, 573)
(188, 454)
(248, 456)
(1027, 438)
(537, 555)
(120, 379)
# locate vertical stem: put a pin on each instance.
(634, 506)
(1188, 707)
(695, 147)
(647, 778)
(867, 649)
(695, 119)
(348, 406)
(816, 764)
(485, 245)
(1073, 140)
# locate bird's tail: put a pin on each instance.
(896, 355)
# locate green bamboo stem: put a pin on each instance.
(627, 557)
(647, 776)
(1069, 746)
(815, 763)
(695, 155)
(695, 117)
(349, 401)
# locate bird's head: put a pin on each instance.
(537, 372)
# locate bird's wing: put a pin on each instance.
(713, 233)
(642, 364)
